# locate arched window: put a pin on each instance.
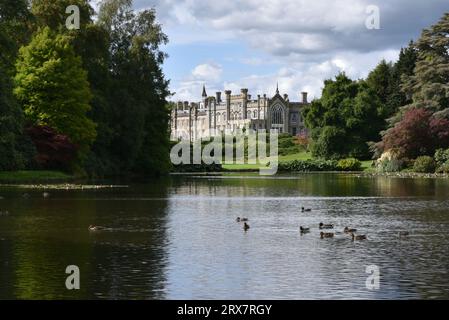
(277, 115)
(224, 116)
(255, 114)
(248, 114)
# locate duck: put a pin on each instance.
(358, 237)
(326, 235)
(325, 226)
(96, 228)
(46, 195)
(304, 230)
(349, 230)
(242, 219)
(403, 233)
(305, 210)
(246, 226)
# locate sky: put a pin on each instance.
(255, 44)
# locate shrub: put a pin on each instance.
(350, 164)
(389, 165)
(441, 156)
(424, 164)
(54, 151)
(308, 165)
(444, 168)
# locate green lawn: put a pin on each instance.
(33, 176)
(366, 165)
(291, 157)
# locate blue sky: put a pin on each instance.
(299, 43)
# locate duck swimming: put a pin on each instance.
(304, 230)
(242, 219)
(358, 237)
(96, 228)
(305, 210)
(246, 227)
(348, 230)
(325, 226)
(326, 235)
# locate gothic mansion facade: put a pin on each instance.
(213, 116)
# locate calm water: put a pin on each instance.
(178, 239)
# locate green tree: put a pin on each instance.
(135, 130)
(14, 17)
(347, 116)
(53, 88)
(429, 84)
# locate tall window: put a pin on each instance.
(277, 115)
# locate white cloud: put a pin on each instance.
(307, 41)
(207, 72)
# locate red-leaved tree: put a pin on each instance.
(54, 151)
(418, 133)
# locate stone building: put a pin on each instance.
(224, 114)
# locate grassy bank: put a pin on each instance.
(34, 176)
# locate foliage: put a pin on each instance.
(350, 164)
(418, 133)
(424, 164)
(441, 156)
(53, 88)
(390, 165)
(344, 119)
(444, 168)
(54, 151)
(13, 23)
(308, 165)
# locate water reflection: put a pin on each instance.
(178, 239)
(44, 236)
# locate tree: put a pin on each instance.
(419, 133)
(53, 88)
(429, 84)
(348, 115)
(135, 129)
(14, 17)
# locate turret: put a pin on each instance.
(245, 103)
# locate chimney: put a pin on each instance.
(228, 103)
(304, 97)
(218, 95)
(245, 102)
(285, 96)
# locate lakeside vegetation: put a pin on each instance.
(34, 176)
(90, 101)
(93, 101)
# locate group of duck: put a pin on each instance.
(321, 226)
(324, 235)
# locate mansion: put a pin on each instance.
(213, 115)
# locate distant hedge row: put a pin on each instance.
(320, 165)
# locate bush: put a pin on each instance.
(350, 164)
(424, 164)
(441, 156)
(444, 168)
(389, 165)
(308, 165)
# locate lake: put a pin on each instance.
(178, 238)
